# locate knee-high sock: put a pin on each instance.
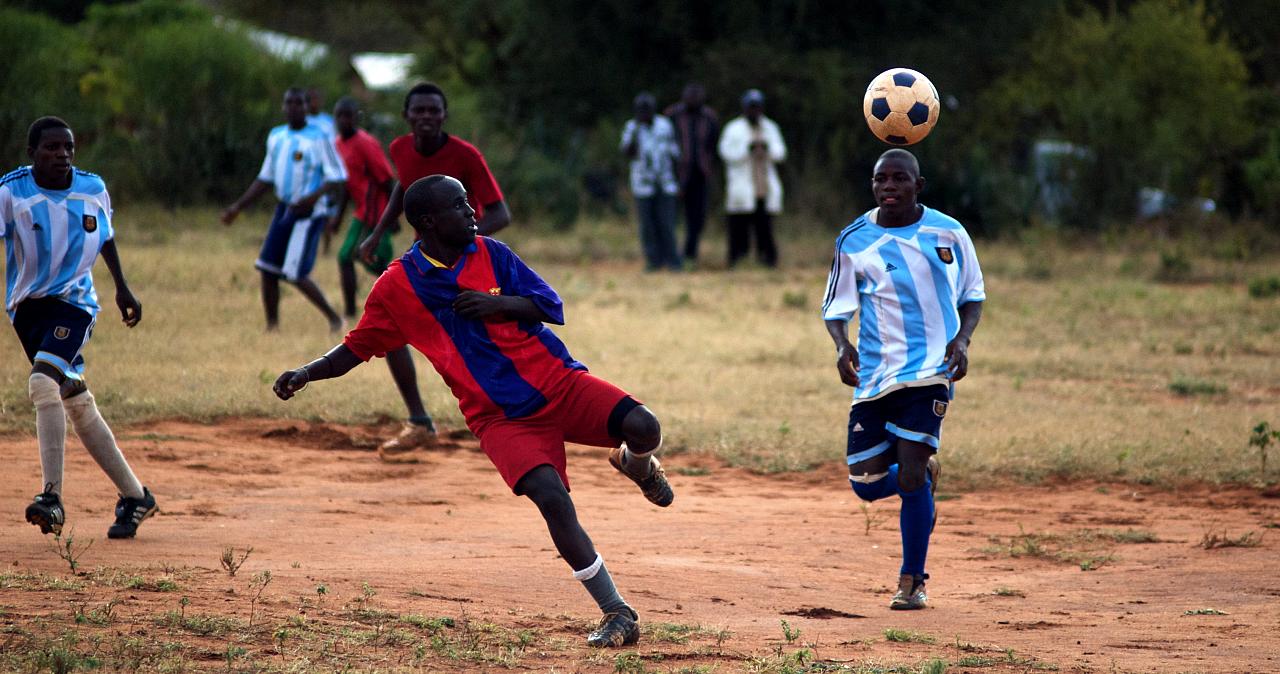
(915, 521)
(599, 583)
(51, 428)
(97, 438)
(885, 487)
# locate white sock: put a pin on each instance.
(641, 458)
(97, 438)
(51, 428)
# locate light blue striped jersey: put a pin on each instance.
(52, 238)
(299, 161)
(908, 283)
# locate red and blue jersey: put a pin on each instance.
(506, 368)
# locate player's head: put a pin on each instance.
(315, 101)
(426, 109)
(437, 208)
(644, 106)
(753, 104)
(694, 96)
(51, 147)
(896, 181)
(295, 107)
(346, 112)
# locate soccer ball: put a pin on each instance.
(901, 106)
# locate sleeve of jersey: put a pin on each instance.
(108, 216)
(6, 211)
(483, 186)
(334, 170)
(265, 174)
(972, 288)
(378, 166)
(840, 302)
(377, 332)
(517, 278)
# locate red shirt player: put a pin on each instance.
(476, 311)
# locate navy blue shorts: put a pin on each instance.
(290, 247)
(913, 413)
(54, 332)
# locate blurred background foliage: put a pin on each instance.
(1181, 97)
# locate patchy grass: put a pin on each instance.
(1089, 548)
(1213, 540)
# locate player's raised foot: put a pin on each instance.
(911, 595)
(935, 474)
(649, 476)
(411, 437)
(129, 514)
(46, 512)
(619, 628)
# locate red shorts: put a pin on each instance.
(584, 412)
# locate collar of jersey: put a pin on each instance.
(436, 264)
(905, 230)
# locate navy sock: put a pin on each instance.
(915, 521)
(600, 586)
(882, 488)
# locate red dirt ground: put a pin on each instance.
(737, 552)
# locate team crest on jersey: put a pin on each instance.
(940, 408)
(944, 254)
(495, 290)
(61, 332)
(297, 155)
(90, 223)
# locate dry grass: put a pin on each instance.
(1073, 367)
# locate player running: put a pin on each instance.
(476, 311)
(913, 274)
(302, 165)
(55, 220)
(428, 150)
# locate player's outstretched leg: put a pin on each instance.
(46, 509)
(642, 436)
(618, 626)
(916, 522)
(271, 299)
(136, 502)
(316, 296)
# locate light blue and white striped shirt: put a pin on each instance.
(53, 237)
(908, 284)
(299, 161)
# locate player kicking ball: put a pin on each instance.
(912, 274)
(55, 220)
(476, 311)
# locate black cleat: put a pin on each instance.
(129, 514)
(654, 486)
(616, 629)
(46, 512)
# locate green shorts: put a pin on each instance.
(356, 233)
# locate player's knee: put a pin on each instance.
(641, 430)
(43, 389)
(911, 477)
(871, 488)
(543, 486)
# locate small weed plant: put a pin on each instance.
(230, 562)
(68, 550)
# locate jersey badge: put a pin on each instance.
(940, 408)
(297, 155)
(495, 291)
(61, 332)
(90, 223)
(944, 254)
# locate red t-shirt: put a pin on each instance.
(367, 171)
(456, 158)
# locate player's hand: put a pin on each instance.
(478, 306)
(303, 208)
(290, 382)
(229, 214)
(957, 359)
(130, 307)
(847, 364)
(367, 248)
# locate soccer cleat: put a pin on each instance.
(129, 514)
(935, 473)
(616, 629)
(911, 595)
(46, 512)
(654, 486)
(411, 437)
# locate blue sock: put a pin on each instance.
(882, 488)
(915, 521)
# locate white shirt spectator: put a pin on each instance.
(653, 167)
(740, 184)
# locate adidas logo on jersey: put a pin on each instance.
(35, 227)
(857, 426)
(889, 267)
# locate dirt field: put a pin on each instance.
(436, 566)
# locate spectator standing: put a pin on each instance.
(697, 127)
(649, 141)
(752, 147)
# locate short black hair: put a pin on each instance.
(347, 103)
(899, 153)
(425, 88)
(419, 199)
(296, 91)
(38, 127)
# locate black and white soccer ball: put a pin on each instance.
(901, 106)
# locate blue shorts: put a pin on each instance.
(54, 332)
(913, 413)
(290, 247)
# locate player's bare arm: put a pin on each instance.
(475, 305)
(256, 189)
(957, 354)
(130, 307)
(846, 352)
(395, 206)
(496, 217)
(337, 362)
